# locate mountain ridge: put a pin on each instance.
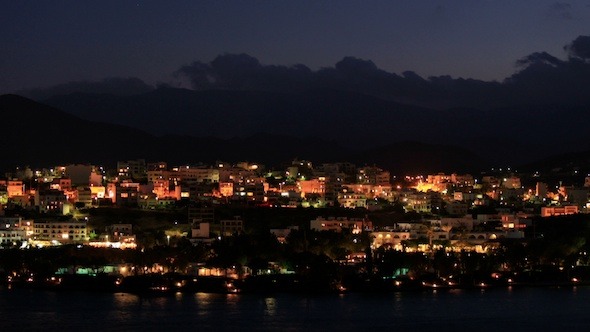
(507, 135)
(63, 138)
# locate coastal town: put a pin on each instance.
(301, 226)
(295, 166)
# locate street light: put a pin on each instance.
(168, 237)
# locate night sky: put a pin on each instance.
(44, 43)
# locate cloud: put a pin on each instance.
(244, 72)
(544, 78)
(538, 58)
(356, 66)
(540, 78)
(198, 73)
(579, 48)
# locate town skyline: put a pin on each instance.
(196, 220)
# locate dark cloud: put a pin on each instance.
(540, 78)
(242, 71)
(538, 58)
(198, 74)
(545, 101)
(115, 86)
(544, 78)
(579, 48)
(355, 66)
(232, 64)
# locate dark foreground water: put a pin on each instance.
(518, 309)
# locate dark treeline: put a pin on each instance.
(556, 252)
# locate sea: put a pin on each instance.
(495, 309)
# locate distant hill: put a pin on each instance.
(568, 163)
(115, 85)
(506, 136)
(40, 135)
(350, 118)
(36, 134)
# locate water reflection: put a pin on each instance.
(232, 298)
(124, 300)
(270, 308)
(448, 310)
(203, 303)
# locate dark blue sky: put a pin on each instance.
(49, 42)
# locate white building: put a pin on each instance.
(393, 239)
(61, 231)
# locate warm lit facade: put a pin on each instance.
(51, 201)
(60, 231)
(313, 186)
(198, 174)
(61, 184)
(226, 189)
(373, 175)
(352, 200)
(14, 230)
(549, 211)
(512, 182)
(15, 188)
(393, 239)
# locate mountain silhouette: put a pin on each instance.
(43, 136)
(505, 136)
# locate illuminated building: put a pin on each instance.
(549, 211)
(132, 168)
(60, 231)
(61, 184)
(14, 230)
(197, 173)
(512, 182)
(355, 225)
(226, 189)
(15, 188)
(393, 239)
(51, 201)
(313, 186)
(352, 200)
(373, 175)
(200, 230)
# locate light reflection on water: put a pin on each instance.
(446, 310)
(270, 306)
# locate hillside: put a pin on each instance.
(505, 136)
(40, 135)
